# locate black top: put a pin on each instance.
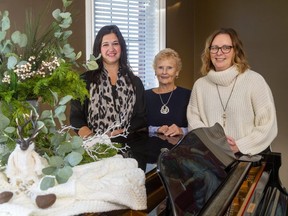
(177, 107)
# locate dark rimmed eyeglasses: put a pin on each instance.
(225, 49)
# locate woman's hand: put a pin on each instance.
(85, 132)
(163, 129)
(172, 130)
(170, 139)
(116, 132)
(232, 144)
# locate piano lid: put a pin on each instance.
(194, 169)
(215, 140)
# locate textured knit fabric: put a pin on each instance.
(79, 112)
(177, 108)
(110, 184)
(251, 115)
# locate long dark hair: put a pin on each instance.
(123, 61)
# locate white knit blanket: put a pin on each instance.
(110, 184)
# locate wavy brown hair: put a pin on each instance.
(240, 59)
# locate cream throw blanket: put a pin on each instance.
(110, 184)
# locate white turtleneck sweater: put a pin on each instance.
(250, 112)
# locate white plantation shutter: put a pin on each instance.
(142, 24)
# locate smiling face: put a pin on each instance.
(110, 49)
(166, 71)
(220, 60)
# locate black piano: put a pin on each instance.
(199, 175)
(202, 176)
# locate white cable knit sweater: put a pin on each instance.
(106, 185)
(251, 116)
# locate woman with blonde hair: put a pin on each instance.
(233, 95)
(167, 104)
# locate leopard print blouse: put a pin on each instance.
(110, 104)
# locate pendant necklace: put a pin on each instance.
(225, 107)
(164, 108)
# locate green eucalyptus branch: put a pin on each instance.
(39, 64)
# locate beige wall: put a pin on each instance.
(180, 37)
(263, 28)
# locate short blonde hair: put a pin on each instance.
(166, 54)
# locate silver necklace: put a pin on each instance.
(224, 116)
(164, 108)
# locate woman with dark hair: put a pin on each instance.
(233, 95)
(116, 94)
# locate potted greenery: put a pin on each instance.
(39, 65)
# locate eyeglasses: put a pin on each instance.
(225, 49)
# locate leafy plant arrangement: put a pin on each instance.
(36, 65)
(61, 149)
(39, 65)
(31, 62)
(71, 151)
(100, 145)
